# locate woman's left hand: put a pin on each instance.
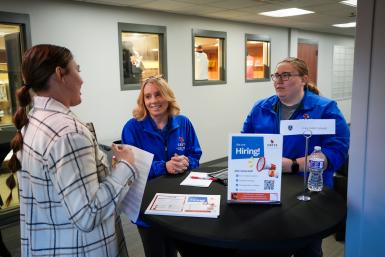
(180, 163)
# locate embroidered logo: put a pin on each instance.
(181, 144)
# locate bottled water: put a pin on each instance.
(316, 168)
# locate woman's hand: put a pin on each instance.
(177, 164)
(123, 152)
(286, 165)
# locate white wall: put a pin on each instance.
(91, 32)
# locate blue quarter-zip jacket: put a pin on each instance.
(181, 139)
(264, 119)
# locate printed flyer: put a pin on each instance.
(204, 206)
(254, 168)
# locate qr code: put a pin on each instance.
(269, 184)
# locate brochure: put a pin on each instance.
(191, 205)
(255, 168)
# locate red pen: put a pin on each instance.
(195, 177)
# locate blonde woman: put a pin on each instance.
(157, 127)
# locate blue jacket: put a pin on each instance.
(181, 140)
(264, 118)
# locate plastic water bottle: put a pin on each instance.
(316, 168)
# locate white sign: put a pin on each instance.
(254, 168)
(308, 126)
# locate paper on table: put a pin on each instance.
(132, 201)
(205, 206)
(197, 179)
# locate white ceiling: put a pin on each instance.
(327, 12)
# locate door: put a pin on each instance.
(308, 51)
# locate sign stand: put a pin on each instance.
(304, 197)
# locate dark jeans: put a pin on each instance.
(155, 244)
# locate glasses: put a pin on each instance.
(157, 77)
(285, 76)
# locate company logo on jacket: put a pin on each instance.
(181, 144)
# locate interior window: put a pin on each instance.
(142, 55)
(257, 58)
(208, 57)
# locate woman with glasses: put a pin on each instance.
(296, 98)
(157, 127)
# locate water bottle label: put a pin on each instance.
(316, 163)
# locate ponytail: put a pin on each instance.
(311, 87)
(20, 120)
(39, 63)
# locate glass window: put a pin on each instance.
(209, 62)
(257, 61)
(14, 39)
(142, 53)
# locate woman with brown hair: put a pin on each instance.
(296, 99)
(68, 195)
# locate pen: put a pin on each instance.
(195, 177)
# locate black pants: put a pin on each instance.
(155, 244)
(3, 249)
(314, 249)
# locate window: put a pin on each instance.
(14, 39)
(343, 63)
(209, 60)
(142, 53)
(257, 61)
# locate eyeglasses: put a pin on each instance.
(285, 76)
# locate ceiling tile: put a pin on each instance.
(327, 12)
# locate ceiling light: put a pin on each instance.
(350, 2)
(286, 12)
(345, 25)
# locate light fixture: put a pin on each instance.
(345, 25)
(286, 12)
(350, 2)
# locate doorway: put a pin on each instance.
(308, 52)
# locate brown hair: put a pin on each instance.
(303, 70)
(39, 63)
(140, 112)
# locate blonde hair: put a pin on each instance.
(140, 112)
(303, 70)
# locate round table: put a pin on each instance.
(290, 225)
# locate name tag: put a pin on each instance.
(308, 126)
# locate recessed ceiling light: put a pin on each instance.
(350, 2)
(345, 25)
(286, 12)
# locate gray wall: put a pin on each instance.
(366, 202)
(91, 32)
